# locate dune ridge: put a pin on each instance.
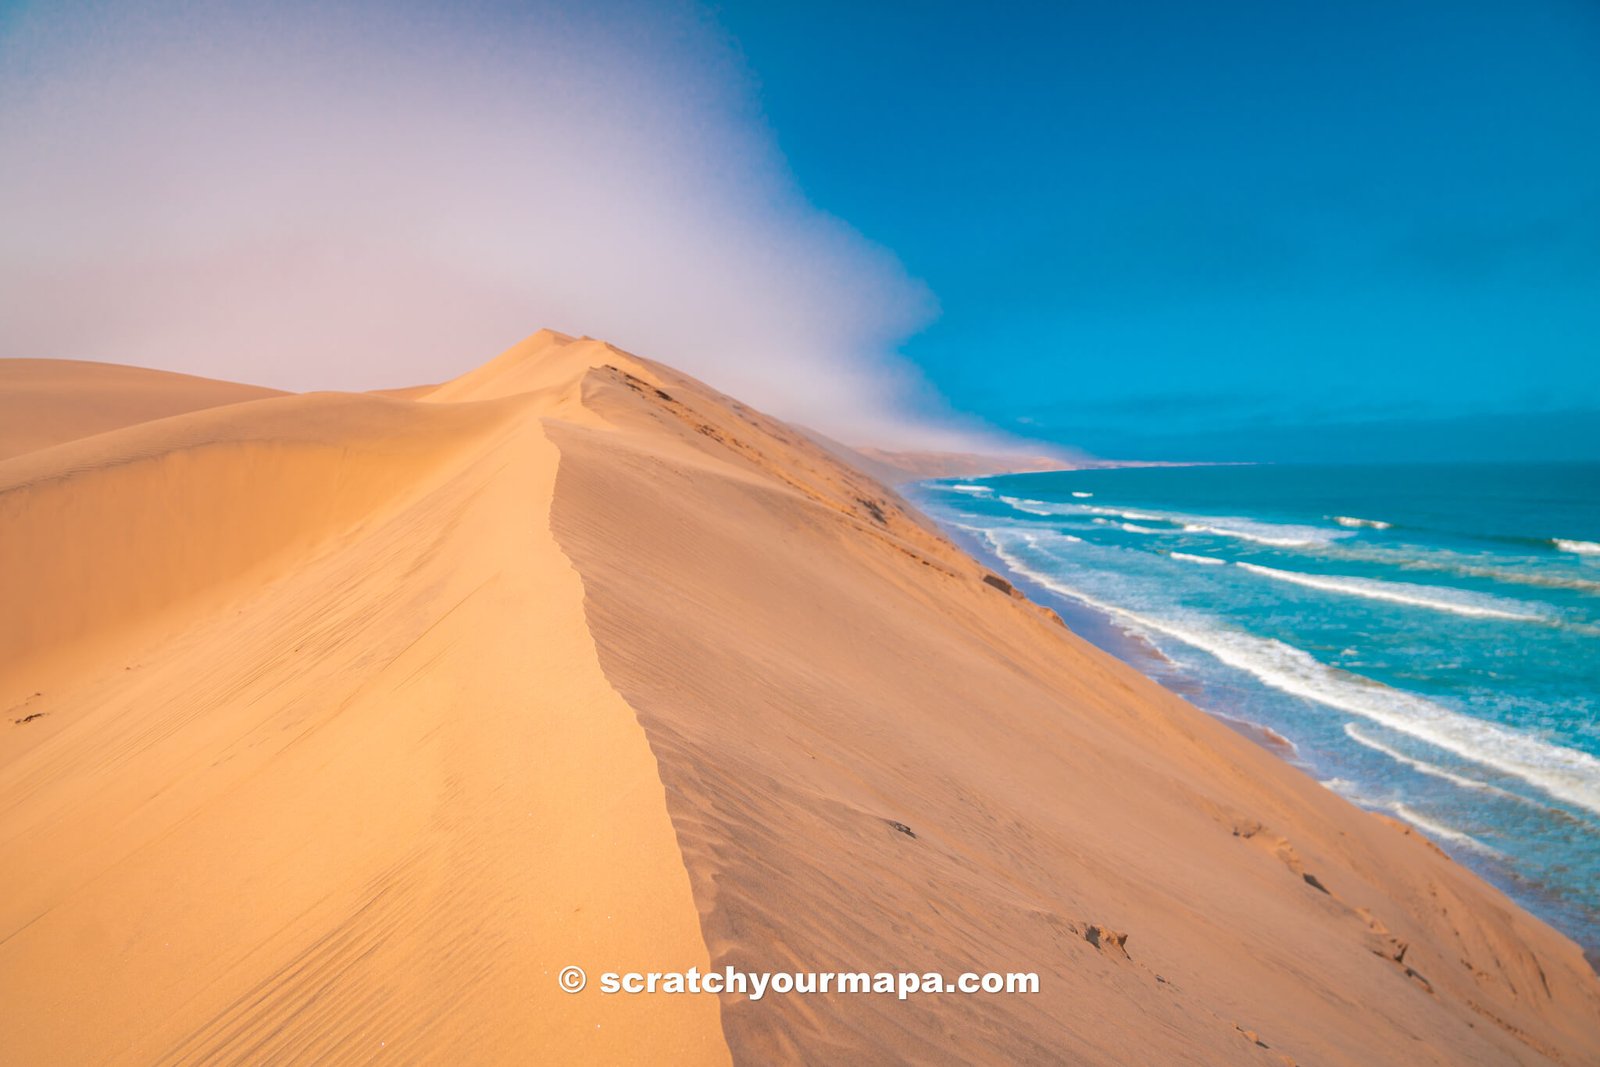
(338, 724)
(360, 791)
(45, 402)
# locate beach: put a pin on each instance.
(1419, 638)
(338, 724)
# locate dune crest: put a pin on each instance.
(44, 402)
(362, 791)
(339, 724)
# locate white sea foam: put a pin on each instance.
(1210, 561)
(1267, 533)
(1093, 509)
(1564, 773)
(971, 490)
(1030, 507)
(1582, 548)
(1131, 528)
(1454, 601)
(1261, 532)
(1082, 496)
(1030, 537)
(1371, 524)
(1441, 831)
(1120, 513)
(1432, 770)
(1034, 537)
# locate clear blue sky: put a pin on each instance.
(1272, 230)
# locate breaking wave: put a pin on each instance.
(1454, 601)
(1430, 769)
(1564, 773)
(1582, 548)
(1210, 561)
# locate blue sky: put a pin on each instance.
(1229, 231)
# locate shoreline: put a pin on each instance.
(1105, 632)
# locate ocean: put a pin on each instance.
(1426, 638)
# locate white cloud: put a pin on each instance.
(370, 195)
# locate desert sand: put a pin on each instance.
(336, 725)
(47, 401)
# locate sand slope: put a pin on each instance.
(360, 716)
(44, 402)
(367, 804)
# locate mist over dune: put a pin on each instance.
(359, 195)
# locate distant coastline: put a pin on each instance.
(906, 467)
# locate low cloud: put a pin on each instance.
(357, 196)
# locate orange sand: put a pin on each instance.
(356, 718)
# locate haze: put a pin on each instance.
(334, 197)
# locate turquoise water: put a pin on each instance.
(1426, 637)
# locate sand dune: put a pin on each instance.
(44, 402)
(338, 724)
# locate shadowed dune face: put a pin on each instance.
(339, 724)
(354, 788)
(114, 535)
(815, 673)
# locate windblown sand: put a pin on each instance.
(336, 725)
